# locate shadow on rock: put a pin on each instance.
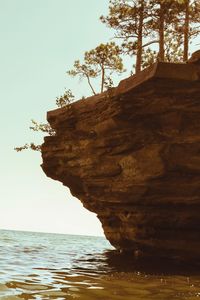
(155, 265)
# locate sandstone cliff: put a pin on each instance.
(132, 156)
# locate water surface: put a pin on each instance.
(54, 266)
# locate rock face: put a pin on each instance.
(132, 156)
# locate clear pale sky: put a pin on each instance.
(40, 39)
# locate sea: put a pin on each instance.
(58, 266)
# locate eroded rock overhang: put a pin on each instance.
(132, 156)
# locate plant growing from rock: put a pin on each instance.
(63, 101)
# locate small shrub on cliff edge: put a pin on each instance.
(63, 101)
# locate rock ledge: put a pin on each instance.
(132, 156)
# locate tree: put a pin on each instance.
(186, 29)
(173, 50)
(129, 19)
(172, 24)
(175, 23)
(187, 25)
(141, 24)
(148, 57)
(84, 70)
(140, 36)
(162, 17)
(102, 61)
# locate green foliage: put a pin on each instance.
(105, 56)
(84, 70)
(173, 49)
(149, 56)
(44, 128)
(63, 101)
(139, 24)
(187, 26)
(130, 20)
(102, 61)
(31, 146)
(123, 17)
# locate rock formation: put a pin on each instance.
(132, 156)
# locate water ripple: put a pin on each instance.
(47, 266)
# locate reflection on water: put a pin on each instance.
(51, 266)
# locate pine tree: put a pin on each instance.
(102, 61)
(84, 70)
(171, 24)
(129, 19)
(162, 16)
(188, 23)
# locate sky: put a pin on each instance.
(40, 40)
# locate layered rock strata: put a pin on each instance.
(132, 156)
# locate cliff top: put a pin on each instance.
(159, 75)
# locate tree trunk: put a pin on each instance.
(102, 78)
(161, 54)
(139, 40)
(186, 31)
(88, 79)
